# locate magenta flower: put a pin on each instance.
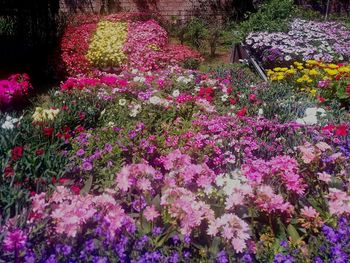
(151, 213)
(80, 152)
(87, 166)
(15, 240)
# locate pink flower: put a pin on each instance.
(309, 212)
(325, 177)
(151, 213)
(339, 202)
(123, 181)
(308, 153)
(269, 202)
(232, 229)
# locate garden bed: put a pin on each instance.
(137, 159)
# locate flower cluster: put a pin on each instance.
(119, 41)
(324, 41)
(41, 115)
(325, 81)
(106, 46)
(16, 87)
(174, 165)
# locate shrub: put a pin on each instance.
(271, 16)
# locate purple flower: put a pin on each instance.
(15, 240)
(98, 259)
(51, 259)
(87, 166)
(66, 250)
(108, 147)
(157, 231)
(221, 257)
(80, 152)
(29, 257)
(283, 243)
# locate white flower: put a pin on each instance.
(287, 58)
(176, 93)
(122, 102)
(139, 79)
(224, 97)
(260, 112)
(7, 125)
(155, 100)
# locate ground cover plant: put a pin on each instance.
(160, 163)
(325, 81)
(305, 40)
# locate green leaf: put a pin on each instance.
(293, 233)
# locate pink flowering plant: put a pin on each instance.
(14, 89)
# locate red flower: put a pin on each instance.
(232, 101)
(48, 132)
(17, 153)
(252, 97)
(75, 189)
(341, 130)
(79, 128)
(39, 152)
(66, 129)
(64, 107)
(63, 180)
(328, 128)
(9, 171)
(81, 116)
(242, 112)
(321, 99)
(348, 89)
(229, 90)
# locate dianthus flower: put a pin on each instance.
(231, 228)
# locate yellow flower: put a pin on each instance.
(312, 62)
(344, 69)
(331, 72)
(333, 66)
(313, 72)
(106, 47)
(313, 92)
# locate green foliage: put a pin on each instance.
(7, 26)
(34, 170)
(307, 13)
(271, 16)
(191, 64)
(196, 32)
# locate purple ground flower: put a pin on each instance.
(87, 166)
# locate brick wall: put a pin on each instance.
(167, 8)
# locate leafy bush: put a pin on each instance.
(196, 32)
(271, 16)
